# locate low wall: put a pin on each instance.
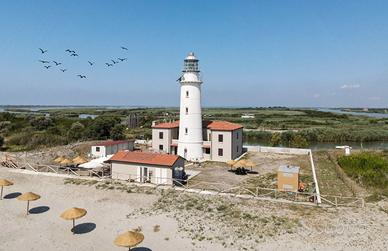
(268, 149)
(286, 150)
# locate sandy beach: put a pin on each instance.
(172, 221)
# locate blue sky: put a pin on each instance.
(252, 53)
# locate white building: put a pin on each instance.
(190, 137)
(105, 148)
(149, 167)
(190, 123)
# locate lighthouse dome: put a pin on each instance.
(191, 56)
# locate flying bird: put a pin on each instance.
(91, 63)
(63, 70)
(43, 51)
(57, 63)
(124, 48)
(74, 54)
(44, 62)
(114, 62)
(69, 51)
(81, 76)
(47, 66)
(179, 79)
(108, 64)
(122, 59)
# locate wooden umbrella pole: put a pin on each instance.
(73, 225)
(28, 205)
(1, 197)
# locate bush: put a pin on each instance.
(41, 123)
(31, 140)
(76, 131)
(117, 132)
(299, 141)
(368, 169)
(101, 127)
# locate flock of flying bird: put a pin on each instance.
(72, 53)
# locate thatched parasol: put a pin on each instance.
(59, 159)
(250, 164)
(4, 183)
(79, 160)
(241, 163)
(73, 214)
(66, 162)
(129, 239)
(231, 163)
(30, 196)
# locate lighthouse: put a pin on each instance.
(190, 119)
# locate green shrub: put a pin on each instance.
(369, 169)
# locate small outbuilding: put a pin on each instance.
(105, 148)
(288, 178)
(156, 168)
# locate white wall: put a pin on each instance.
(128, 171)
(166, 141)
(111, 149)
(192, 140)
(267, 149)
(99, 154)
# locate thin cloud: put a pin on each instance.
(374, 98)
(350, 86)
(317, 95)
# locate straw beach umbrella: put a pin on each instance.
(250, 164)
(129, 239)
(79, 160)
(241, 163)
(73, 214)
(231, 163)
(30, 196)
(4, 183)
(65, 162)
(59, 159)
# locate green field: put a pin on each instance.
(274, 125)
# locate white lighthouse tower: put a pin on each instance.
(190, 124)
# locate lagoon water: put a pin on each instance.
(367, 114)
(328, 146)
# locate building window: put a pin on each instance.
(97, 149)
(220, 138)
(161, 147)
(160, 135)
(220, 152)
(186, 130)
(237, 148)
(237, 135)
(187, 110)
(187, 94)
(207, 150)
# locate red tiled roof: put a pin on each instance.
(111, 142)
(221, 125)
(217, 125)
(167, 125)
(145, 158)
